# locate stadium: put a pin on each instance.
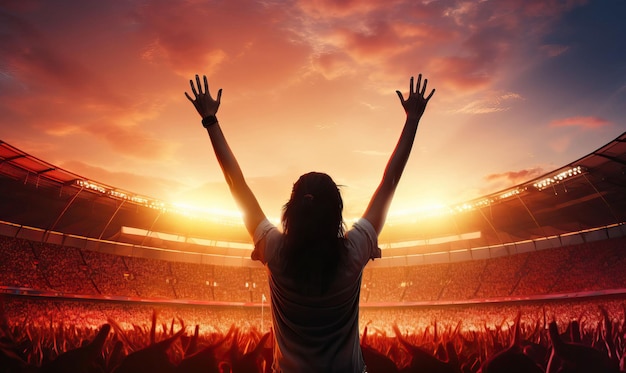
(76, 251)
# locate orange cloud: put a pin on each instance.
(333, 8)
(108, 78)
(247, 43)
(464, 73)
(372, 41)
(582, 122)
(496, 102)
(134, 142)
(333, 65)
(511, 178)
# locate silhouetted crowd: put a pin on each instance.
(57, 335)
(54, 336)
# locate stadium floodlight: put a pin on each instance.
(119, 194)
(557, 178)
(487, 201)
(510, 193)
(221, 216)
(91, 186)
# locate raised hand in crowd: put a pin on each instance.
(424, 361)
(249, 362)
(513, 359)
(576, 357)
(153, 358)
(376, 361)
(85, 359)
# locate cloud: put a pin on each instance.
(329, 9)
(511, 178)
(464, 46)
(112, 73)
(498, 102)
(260, 45)
(135, 142)
(553, 50)
(371, 42)
(120, 126)
(48, 74)
(247, 43)
(587, 123)
(333, 65)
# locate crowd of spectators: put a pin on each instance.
(37, 333)
(585, 267)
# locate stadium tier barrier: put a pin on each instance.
(580, 270)
(54, 294)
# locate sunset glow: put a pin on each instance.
(523, 88)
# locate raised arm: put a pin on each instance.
(414, 106)
(207, 108)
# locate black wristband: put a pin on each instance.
(208, 121)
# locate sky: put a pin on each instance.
(522, 87)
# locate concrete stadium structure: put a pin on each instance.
(582, 201)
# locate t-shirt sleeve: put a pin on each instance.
(364, 239)
(264, 234)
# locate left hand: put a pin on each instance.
(203, 102)
(415, 104)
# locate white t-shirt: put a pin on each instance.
(320, 333)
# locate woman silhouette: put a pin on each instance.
(314, 267)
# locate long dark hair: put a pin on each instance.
(314, 233)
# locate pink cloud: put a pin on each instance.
(83, 80)
(515, 177)
(493, 103)
(542, 8)
(333, 8)
(120, 129)
(463, 47)
(582, 122)
(374, 42)
(332, 65)
(247, 43)
(95, 92)
(553, 50)
(134, 141)
(463, 73)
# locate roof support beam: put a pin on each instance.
(67, 206)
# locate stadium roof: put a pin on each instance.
(586, 194)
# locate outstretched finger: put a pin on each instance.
(188, 97)
(411, 86)
(419, 82)
(219, 96)
(401, 97)
(206, 84)
(198, 82)
(430, 95)
(424, 87)
(193, 88)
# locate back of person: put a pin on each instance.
(314, 269)
(317, 333)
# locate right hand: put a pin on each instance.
(203, 102)
(415, 104)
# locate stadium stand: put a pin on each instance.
(77, 254)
